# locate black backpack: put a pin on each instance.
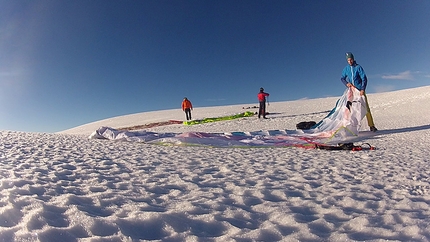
(305, 125)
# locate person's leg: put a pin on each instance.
(264, 109)
(186, 113)
(261, 109)
(369, 115)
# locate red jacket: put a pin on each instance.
(262, 96)
(186, 104)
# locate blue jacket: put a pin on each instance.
(355, 75)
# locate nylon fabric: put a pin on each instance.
(340, 126)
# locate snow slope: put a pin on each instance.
(66, 187)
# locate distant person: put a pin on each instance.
(353, 76)
(187, 107)
(262, 99)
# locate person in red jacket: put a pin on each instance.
(262, 99)
(187, 107)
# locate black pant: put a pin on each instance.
(188, 113)
(262, 109)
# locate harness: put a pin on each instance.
(345, 146)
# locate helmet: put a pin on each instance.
(349, 55)
(261, 89)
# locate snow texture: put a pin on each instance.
(67, 187)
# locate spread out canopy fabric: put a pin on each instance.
(341, 125)
(344, 120)
(210, 120)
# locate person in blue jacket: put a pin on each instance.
(353, 75)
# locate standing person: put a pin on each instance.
(187, 107)
(353, 76)
(262, 99)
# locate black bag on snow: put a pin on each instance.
(305, 125)
(345, 146)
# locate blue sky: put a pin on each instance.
(71, 62)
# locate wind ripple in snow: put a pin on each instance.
(56, 187)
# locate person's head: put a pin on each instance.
(261, 89)
(185, 98)
(350, 58)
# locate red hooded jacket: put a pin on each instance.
(186, 104)
(262, 96)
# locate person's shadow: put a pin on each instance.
(403, 130)
(377, 134)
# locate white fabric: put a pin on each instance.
(343, 122)
(340, 125)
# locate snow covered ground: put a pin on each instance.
(66, 187)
